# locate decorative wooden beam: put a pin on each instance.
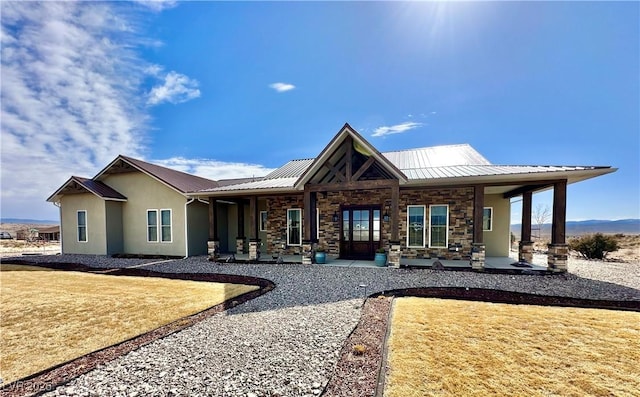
(363, 169)
(349, 157)
(354, 185)
(558, 223)
(525, 230)
(213, 219)
(524, 189)
(478, 213)
(335, 171)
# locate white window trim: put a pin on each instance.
(263, 227)
(146, 229)
(318, 223)
(170, 225)
(446, 236)
(424, 231)
(86, 227)
(490, 219)
(299, 228)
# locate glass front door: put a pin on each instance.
(360, 237)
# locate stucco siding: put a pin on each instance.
(96, 228)
(497, 240)
(145, 193)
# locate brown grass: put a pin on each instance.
(49, 317)
(463, 348)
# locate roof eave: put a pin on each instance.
(570, 176)
(241, 192)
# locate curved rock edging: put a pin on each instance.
(358, 377)
(50, 378)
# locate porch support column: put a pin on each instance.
(213, 243)
(478, 247)
(558, 249)
(241, 236)
(395, 248)
(525, 246)
(395, 211)
(310, 208)
(254, 241)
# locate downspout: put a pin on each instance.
(59, 205)
(186, 228)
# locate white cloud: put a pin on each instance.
(157, 5)
(214, 169)
(396, 129)
(72, 96)
(282, 87)
(177, 88)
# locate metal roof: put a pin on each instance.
(276, 183)
(293, 168)
(181, 181)
(77, 184)
(460, 171)
(436, 156)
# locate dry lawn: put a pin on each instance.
(443, 347)
(49, 317)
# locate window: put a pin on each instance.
(263, 221)
(438, 225)
(487, 219)
(294, 226)
(159, 228)
(152, 225)
(415, 226)
(82, 226)
(165, 219)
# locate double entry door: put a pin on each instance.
(360, 234)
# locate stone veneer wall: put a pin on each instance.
(277, 222)
(329, 236)
(460, 201)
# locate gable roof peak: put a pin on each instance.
(180, 181)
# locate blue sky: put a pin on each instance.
(227, 89)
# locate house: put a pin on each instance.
(132, 206)
(446, 202)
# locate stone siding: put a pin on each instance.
(460, 202)
(277, 223)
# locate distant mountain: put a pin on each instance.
(576, 228)
(28, 221)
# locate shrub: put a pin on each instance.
(359, 350)
(595, 246)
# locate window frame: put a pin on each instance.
(299, 211)
(149, 225)
(424, 231)
(161, 226)
(446, 227)
(85, 226)
(263, 221)
(490, 218)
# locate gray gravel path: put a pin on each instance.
(286, 342)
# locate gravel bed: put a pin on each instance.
(288, 341)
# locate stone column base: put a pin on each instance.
(213, 249)
(240, 245)
(557, 258)
(477, 256)
(254, 249)
(395, 252)
(525, 251)
(307, 252)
